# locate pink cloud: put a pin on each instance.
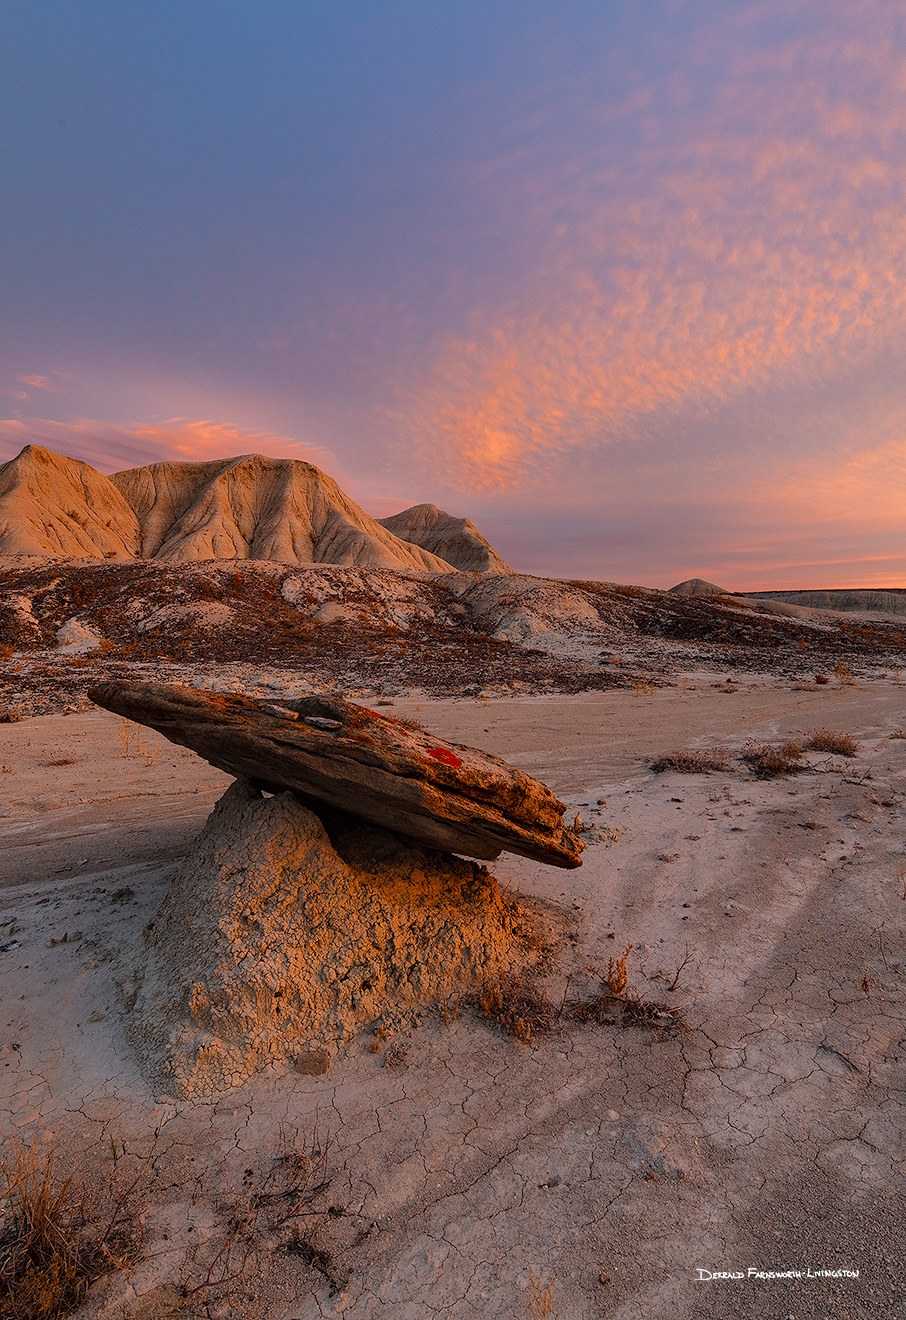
(111, 446)
(750, 242)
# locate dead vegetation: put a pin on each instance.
(518, 1005)
(837, 744)
(614, 1003)
(523, 1010)
(767, 761)
(693, 762)
(61, 1233)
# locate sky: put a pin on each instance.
(624, 283)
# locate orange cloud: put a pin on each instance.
(109, 446)
(756, 243)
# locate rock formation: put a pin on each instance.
(280, 938)
(697, 587)
(52, 505)
(435, 793)
(249, 507)
(259, 508)
(454, 539)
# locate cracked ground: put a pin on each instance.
(449, 1170)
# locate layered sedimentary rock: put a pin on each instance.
(259, 508)
(53, 505)
(435, 793)
(454, 539)
(278, 941)
(250, 507)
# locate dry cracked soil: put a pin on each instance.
(449, 1170)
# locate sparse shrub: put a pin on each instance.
(617, 976)
(844, 673)
(614, 1003)
(517, 1005)
(838, 744)
(59, 1234)
(580, 826)
(767, 762)
(821, 678)
(692, 763)
(134, 742)
(9, 715)
(644, 687)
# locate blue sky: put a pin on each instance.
(624, 283)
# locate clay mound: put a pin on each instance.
(52, 505)
(454, 539)
(278, 940)
(698, 587)
(254, 507)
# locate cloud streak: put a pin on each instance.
(110, 447)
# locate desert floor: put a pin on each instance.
(455, 1171)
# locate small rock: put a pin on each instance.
(282, 711)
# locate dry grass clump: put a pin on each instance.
(59, 1236)
(517, 1005)
(769, 762)
(821, 679)
(692, 763)
(838, 744)
(614, 1003)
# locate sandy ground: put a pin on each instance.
(596, 1173)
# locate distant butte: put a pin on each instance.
(250, 507)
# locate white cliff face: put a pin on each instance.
(259, 508)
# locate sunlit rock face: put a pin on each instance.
(53, 505)
(259, 508)
(251, 507)
(454, 539)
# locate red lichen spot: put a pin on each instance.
(441, 754)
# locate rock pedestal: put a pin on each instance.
(281, 937)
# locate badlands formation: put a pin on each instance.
(351, 1075)
(234, 508)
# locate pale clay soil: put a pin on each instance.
(590, 1174)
